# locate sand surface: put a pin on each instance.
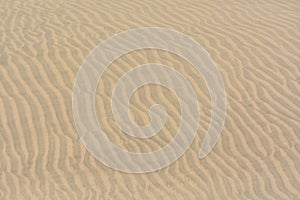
(255, 45)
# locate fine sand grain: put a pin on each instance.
(255, 45)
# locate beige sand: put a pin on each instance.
(256, 46)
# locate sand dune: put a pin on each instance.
(255, 45)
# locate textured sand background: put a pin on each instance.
(256, 46)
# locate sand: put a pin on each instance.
(255, 45)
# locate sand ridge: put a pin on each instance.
(256, 47)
